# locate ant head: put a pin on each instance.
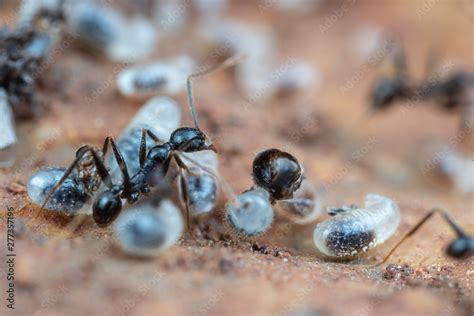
(190, 139)
(386, 90)
(277, 172)
(462, 247)
(106, 208)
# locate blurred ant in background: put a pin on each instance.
(450, 92)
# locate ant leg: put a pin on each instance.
(79, 154)
(184, 193)
(225, 186)
(185, 196)
(142, 152)
(407, 235)
(226, 63)
(123, 168)
(455, 227)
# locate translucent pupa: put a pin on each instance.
(149, 228)
(352, 230)
(160, 77)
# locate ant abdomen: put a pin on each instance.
(69, 198)
(304, 207)
(146, 230)
(251, 213)
(277, 172)
(352, 229)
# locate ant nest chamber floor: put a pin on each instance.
(345, 154)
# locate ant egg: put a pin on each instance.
(106, 29)
(161, 115)
(304, 207)
(7, 123)
(358, 229)
(145, 230)
(251, 214)
(69, 198)
(165, 77)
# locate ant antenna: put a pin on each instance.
(445, 215)
(231, 61)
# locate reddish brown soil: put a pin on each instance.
(279, 273)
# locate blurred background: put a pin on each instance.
(306, 86)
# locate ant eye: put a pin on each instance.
(251, 214)
(145, 231)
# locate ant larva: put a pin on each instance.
(278, 178)
(351, 229)
(108, 204)
(166, 77)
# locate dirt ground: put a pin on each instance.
(327, 129)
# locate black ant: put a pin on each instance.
(108, 204)
(279, 180)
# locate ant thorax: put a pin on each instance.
(352, 230)
(160, 77)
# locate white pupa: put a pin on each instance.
(146, 229)
(160, 77)
(202, 184)
(460, 169)
(353, 230)
(7, 122)
(251, 213)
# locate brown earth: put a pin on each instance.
(279, 273)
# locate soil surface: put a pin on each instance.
(327, 129)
